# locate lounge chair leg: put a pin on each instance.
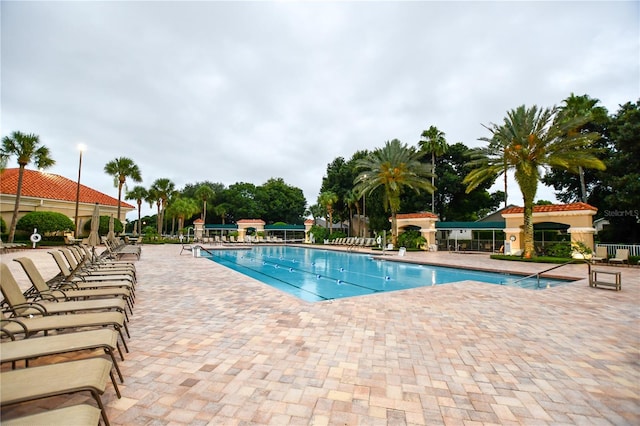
(101, 407)
(115, 385)
(119, 351)
(115, 363)
(124, 342)
(126, 329)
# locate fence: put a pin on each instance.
(634, 249)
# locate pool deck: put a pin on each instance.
(210, 346)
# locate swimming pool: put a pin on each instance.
(316, 274)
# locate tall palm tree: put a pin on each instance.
(351, 199)
(183, 208)
(529, 140)
(163, 189)
(121, 169)
(138, 193)
(327, 199)
(222, 210)
(204, 193)
(578, 106)
(432, 142)
(393, 167)
(27, 148)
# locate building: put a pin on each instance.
(43, 191)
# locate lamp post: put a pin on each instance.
(77, 231)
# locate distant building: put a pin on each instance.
(43, 191)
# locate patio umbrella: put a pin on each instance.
(111, 235)
(94, 238)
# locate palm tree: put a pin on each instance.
(121, 169)
(327, 199)
(27, 148)
(578, 106)
(222, 210)
(432, 142)
(393, 167)
(138, 193)
(204, 193)
(183, 208)
(163, 189)
(529, 140)
(351, 199)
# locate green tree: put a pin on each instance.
(280, 202)
(138, 193)
(327, 200)
(183, 208)
(579, 187)
(121, 169)
(221, 211)
(529, 140)
(622, 204)
(393, 168)
(204, 193)
(27, 148)
(162, 190)
(432, 142)
(242, 201)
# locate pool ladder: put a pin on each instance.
(537, 274)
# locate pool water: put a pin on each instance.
(316, 274)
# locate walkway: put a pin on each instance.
(211, 346)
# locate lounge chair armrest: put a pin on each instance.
(34, 305)
(11, 334)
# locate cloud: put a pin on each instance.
(245, 91)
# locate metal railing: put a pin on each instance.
(634, 249)
(537, 274)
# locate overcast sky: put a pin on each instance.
(245, 91)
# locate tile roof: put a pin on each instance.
(258, 221)
(416, 215)
(552, 208)
(53, 187)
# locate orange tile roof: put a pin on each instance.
(53, 187)
(309, 222)
(416, 215)
(251, 221)
(551, 208)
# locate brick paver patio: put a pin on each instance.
(210, 346)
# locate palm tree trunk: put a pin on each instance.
(528, 188)
(394, 230)
(583, 185)
(16, 208)
(119, 198)
(433, 182)
(139, 213)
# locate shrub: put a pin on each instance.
(103, 228)
(562, 250)
(3, 226)
(411, 239)
(45, 222)
(319, 233)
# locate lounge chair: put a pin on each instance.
(601, 255)
(68, 277)
(45, 324)
(622, 256)
(81, 414)
(31, 384)
(42, 289)
(20, 306)
(91, 340)
(83, 256)
(116, 251)
(80, 269)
